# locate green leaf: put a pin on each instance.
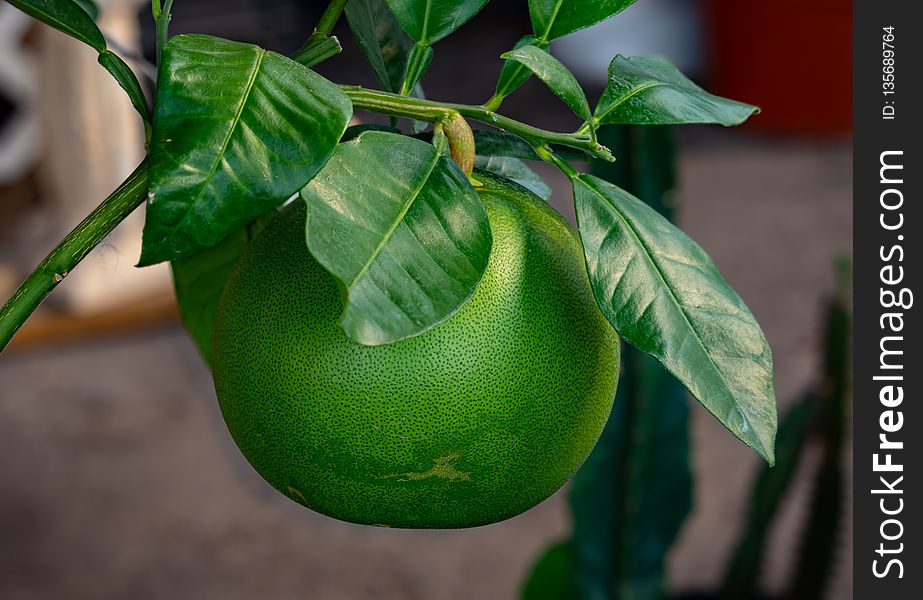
(418, 235)
(663, 294)
(75, 18)
(556, 18)
(515, 170)
(648, 90)
(68, 17)
(238, 130)
(127, 80)
(428, 21)
(552, 577)
(381, 39)
(555, 75)
(514, 74)
(89, 7)
(199, 282)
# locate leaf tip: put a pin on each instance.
(764, 443)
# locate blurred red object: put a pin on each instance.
(792, 58)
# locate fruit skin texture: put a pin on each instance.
(472, 422)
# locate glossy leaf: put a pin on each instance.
(199, 282)
(649, 90)
(67, 16)
(553, 74)
(515, 170)
(556, 18)
(428, 21)
(381, 39)
(238, 130)
(514, 74)
(401, 227)
(663, 294)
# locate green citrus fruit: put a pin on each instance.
(472, 422)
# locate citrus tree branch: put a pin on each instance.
(71, 251)
(435, 112)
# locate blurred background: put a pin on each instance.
(117, 476)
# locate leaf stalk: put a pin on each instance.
(322, 45)
(329, 17)
(434, 112)
(162, 18)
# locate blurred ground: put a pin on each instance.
(118, 479)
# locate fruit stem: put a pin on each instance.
(434, 112)
(71, 251)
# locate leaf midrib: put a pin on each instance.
(641, 88)
(551, 20)
(648, 256)
(426, 13)
(224, 145)
(397, 222)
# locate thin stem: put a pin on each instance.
(589, 126)
(162, 23)
(321, 45)
(330, 17)
(71, 251)
(431, 111)
(495, 101)
(548, 155)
